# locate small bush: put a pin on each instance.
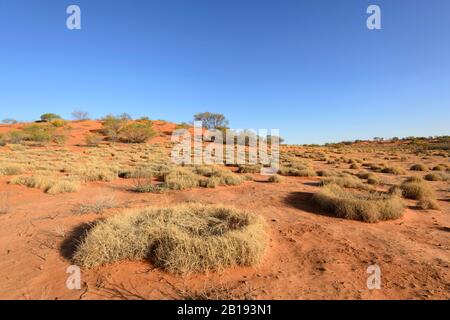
(49, 117)
(137, 132)
(16, 137)
(50, 185)
(439, 167)
(354, 166)
(39, 132)
(440, 176)
(414, 179)
(63, 186)
(275, 179)
(290, 171)
(417, 190)
(181, 178)
(345, 181)
(97, 174)
(393, 170)
(93, 139)
(249, 168)
(371, 207)
(182, 239)
(428, 204)
(112, 126)
(58, 123)
(2, 141)
(418, 167)
(10, 169)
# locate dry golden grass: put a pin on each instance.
(50, 185)
(438, 176)
(346, 181)
(182, 239)
(367, 207)
(275, 179)
(418, 167)
(394, 170)
(11, 169)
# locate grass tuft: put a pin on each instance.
(183, 239)
(368, 207)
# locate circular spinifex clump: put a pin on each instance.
(182, 239)
(365, 206)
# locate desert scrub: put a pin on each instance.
(181, 178)
(63, 186)
(183, 239)
(296, 172)
(420, 191)
(354, 166)
(367, 207)
(50, 185)
(10, 169)
(439, 176)
(249, 168)
(418, 167)
(137, 132)
(91, 174)
(345, 181)
(393, 170)
(275, 179)
(440, 167)
(39, 132)
(93, 139)
(216, 176)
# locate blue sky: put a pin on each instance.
(310, 68)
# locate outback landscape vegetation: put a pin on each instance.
(231, 150)
(104, 195)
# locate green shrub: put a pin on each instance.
(137, 132)
(16, 137)
(39, 132)
(49, 117)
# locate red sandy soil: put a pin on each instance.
(311, 254)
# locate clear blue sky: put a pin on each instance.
(310, 68)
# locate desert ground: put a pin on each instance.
(311, 253)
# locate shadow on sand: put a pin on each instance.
(303, 201)
(70, 243)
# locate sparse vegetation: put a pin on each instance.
(50, 185)
(49, 117)
(393, 170)
(368, 207)
(418, 167)
(183, 239)
(275, 179)
(93, 139)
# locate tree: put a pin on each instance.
(9, 121)
(80, 115)
(125, 116)
(49, 117)
(211, 120)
